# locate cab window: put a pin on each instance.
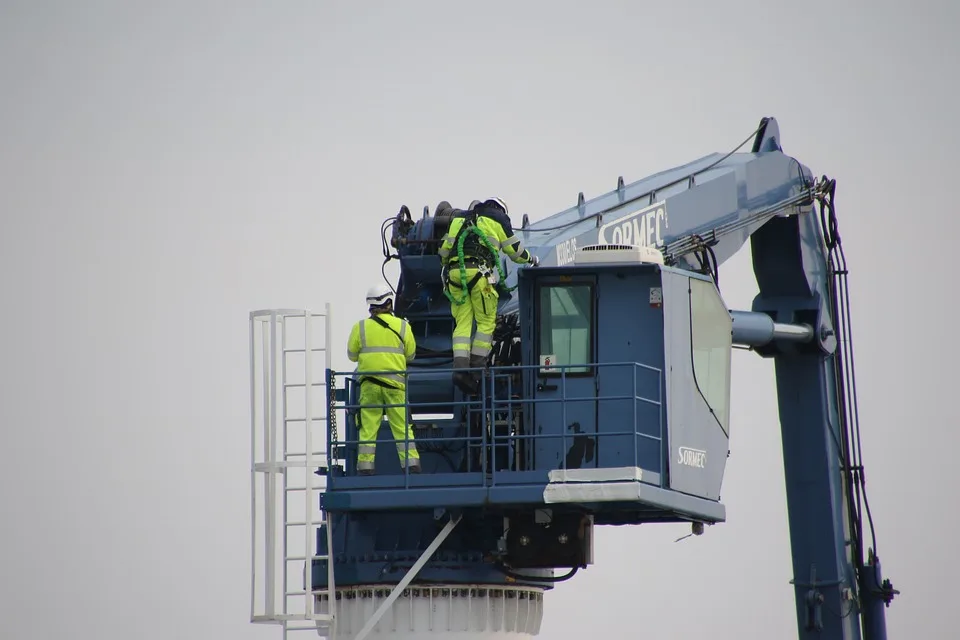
(566, 327)
(711, 340)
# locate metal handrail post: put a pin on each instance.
(563, 413)
(663, 444)
(406, 428)
(636, 443)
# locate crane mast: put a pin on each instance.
(606, 402)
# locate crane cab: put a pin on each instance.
(631, 384)
(619, 404)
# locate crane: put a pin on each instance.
(605, 402)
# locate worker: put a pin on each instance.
(383, 343)
(471, 286)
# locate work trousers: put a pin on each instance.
(371, 415)
(480, 305)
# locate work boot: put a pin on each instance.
(462, 378)
(365, 472)
(481, 363)
(465, 382)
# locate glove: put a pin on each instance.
(534, 261)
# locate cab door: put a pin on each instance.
(565, 385)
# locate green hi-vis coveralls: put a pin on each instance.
(378, 348)
(483, 297)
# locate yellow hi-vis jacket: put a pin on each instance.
(496, 236)
(377, 348)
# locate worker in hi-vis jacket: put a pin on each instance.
(383, 344)
(470, 255)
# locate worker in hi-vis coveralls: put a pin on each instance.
(470, 255)
(383, 344)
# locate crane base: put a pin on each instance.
(462, 611)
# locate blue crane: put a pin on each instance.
(606, 402)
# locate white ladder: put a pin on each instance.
(285, 385)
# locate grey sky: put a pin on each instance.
(167, 167)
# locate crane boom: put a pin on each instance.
(540, 456)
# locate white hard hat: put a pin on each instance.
(500, 203)
(379, 294)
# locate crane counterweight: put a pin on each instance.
(606, 401)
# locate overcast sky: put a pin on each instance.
(166, 167)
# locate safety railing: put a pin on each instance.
(504, 399)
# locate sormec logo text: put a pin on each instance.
(692, 457)
(644, 227)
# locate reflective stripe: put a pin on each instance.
(493, 242)
(412, 449)
(364, 465)
(381, 350)
(363, 339)
(480, 350)
(352, 355)
(512, 240)
(461, 346)
(371, 350)
(482, 337)
(367, 449)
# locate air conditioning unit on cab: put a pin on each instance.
(618, 254)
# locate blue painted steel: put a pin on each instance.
(699, 215)
(607, 416)
(521, 481)
(879, 592)
(789, 261)
(635, 403)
